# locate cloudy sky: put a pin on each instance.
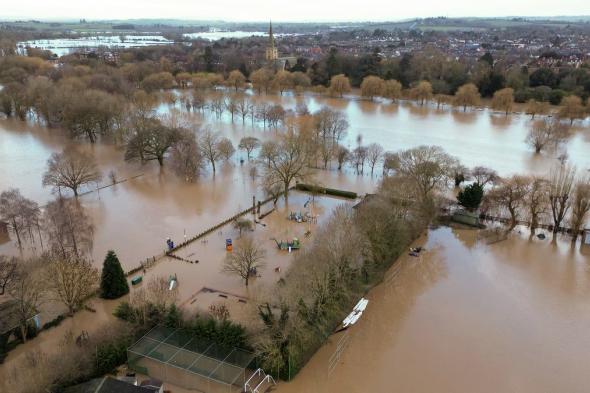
(300, 10)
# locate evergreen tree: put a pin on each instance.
(113, 283)
(470, 197)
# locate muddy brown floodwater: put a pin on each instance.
(464, 316)
(467, 317)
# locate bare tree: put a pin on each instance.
(374, 155)
(389, 162)
(283, 80)
(535, 107)
(427, 167)
(73, 280)
(71, 169)
(245, 259)
(268, 149)
(19, 213)
(244, 106)
(545, 132)
(561, 183)
(372, 86)
(261, 113)
(392, 89)
(186, 158)
(151, 141)
(226, 148)
(242, 224)
(68, 227)
(510, 194)
(359, 156)
(232, 106)
(580, 207)
(28, 290)
(537, 202)
(289, 162)
(503, 100)
(261, 80)
(236, 79)
(484, 176)
(342, 155)
(422, 92)
(156, 294)
(275, 115)
(217, 104)
(209, 145)
(467, 95)
(249, 144)
(330, 127)
(339, 84)
(572, 108)
(8, 272)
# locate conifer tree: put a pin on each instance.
(113, 283)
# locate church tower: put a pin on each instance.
(271, 51)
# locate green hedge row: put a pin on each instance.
(325, 190)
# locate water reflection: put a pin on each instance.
(464, 117)
(500, 121)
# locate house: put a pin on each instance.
(111, 385)
(586, 237)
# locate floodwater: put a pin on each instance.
(463, 317)
(135, 217)
(467, 317)
(64, 46)
(476, 137)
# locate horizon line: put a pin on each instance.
(4, 19)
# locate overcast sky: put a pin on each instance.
(300, 10)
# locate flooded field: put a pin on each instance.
(64, 46)
(476, 137)
(467, 317)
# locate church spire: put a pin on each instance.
(271, 38)
(271, 50)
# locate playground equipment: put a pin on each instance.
(170, 244)
(293, 245)
(299, 217)
(228, 245)
(172, 282)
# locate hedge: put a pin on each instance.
(325, 190)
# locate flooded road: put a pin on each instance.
(467, 317)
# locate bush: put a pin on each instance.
(173, 318)
(113, 283)
(125, 312)
(31, 332)
(54, 322)
(327, 191)
(470, 197)
(225, 333)
(556, 96)
(110, 355)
